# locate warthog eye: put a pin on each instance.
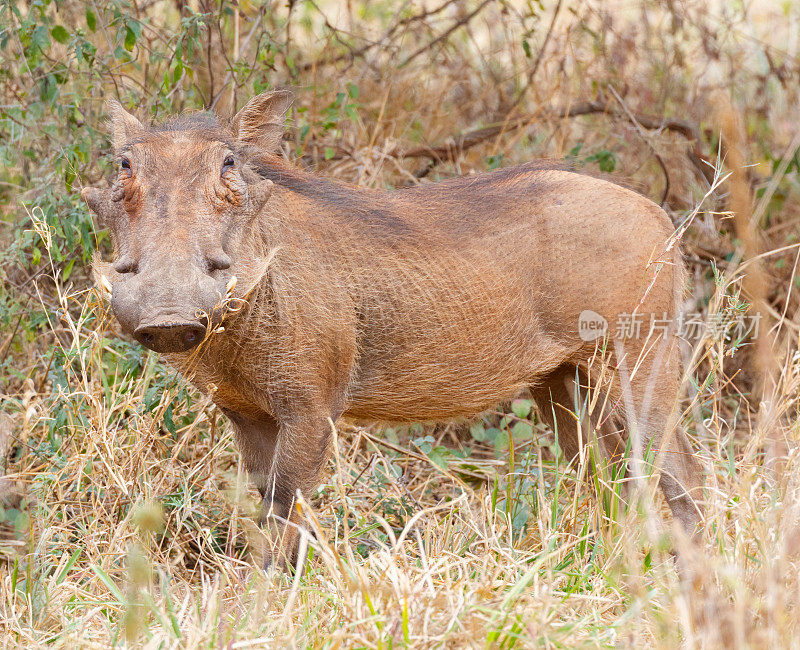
(227, 164)
(125, 165)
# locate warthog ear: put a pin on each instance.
(262, 120)
(123, 125)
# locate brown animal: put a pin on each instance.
(295, 300)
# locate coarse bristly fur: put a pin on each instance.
(429, 303)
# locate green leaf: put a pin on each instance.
(352, 90)
(60, 34)
(48, 88)
(70, 563)
(68, 269)
(168, 421)
(438, 456)
(391, 435)
(329, 153)
(522, 431)
(520, 518)
(40, 38)
(493, 162)
(521, 407)
(130, 38)
(424, 444)
(406, 636)
(527, 47)
(135, 26)
(606, 160)
(176, 74)
(108, 582)
(478, 431)
(22, 521)
(91, 20)
(501, 443)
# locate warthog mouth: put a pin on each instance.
(170, 336)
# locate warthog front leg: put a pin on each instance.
(281, 460)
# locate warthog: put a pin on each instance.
(295, 300)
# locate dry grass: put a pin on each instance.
(132, 522)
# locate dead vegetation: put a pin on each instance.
(128, 517)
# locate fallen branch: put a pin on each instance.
(450, 151)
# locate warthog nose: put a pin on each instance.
(170, 337)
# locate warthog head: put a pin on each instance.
(179, 213)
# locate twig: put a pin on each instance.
(646, 140)
(10, 337)
(238, 55)
(425, 459)
(352, 54)
(446, 34)
(539, 55)
(144, 6)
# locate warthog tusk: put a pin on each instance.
(231, 284)
(106, 285)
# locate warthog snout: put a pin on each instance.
(168, 310)
(170, 337)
